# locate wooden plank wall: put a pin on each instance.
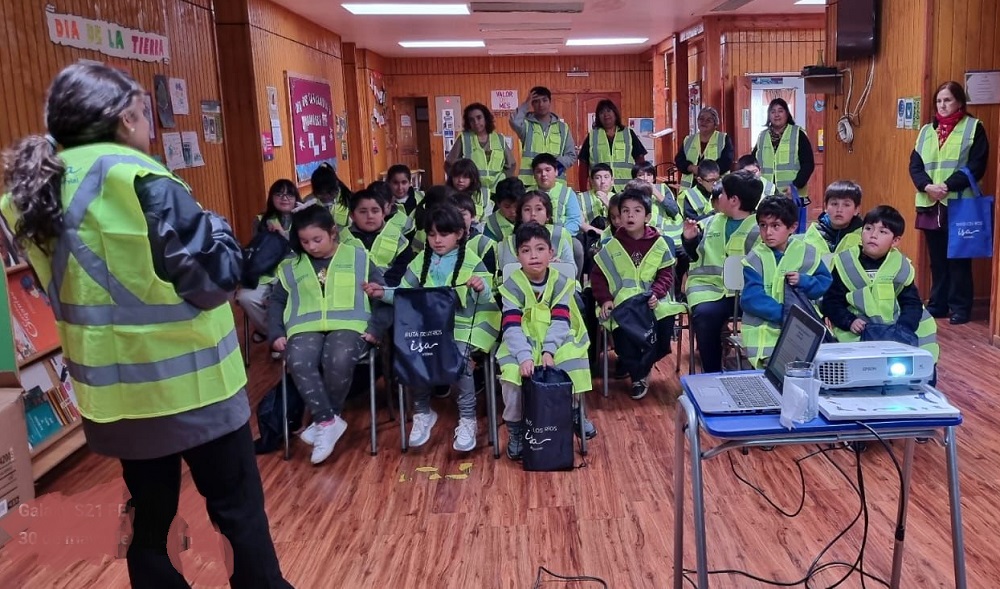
(30, 61)
(259, 42)
(473, 78)
(369, 144)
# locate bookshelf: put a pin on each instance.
(31, 361)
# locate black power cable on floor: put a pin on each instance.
(564, 578)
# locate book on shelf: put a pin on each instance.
(60, 374)
(40, 416)
(48, 405)
(35, 330)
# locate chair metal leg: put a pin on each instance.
(284, 411)
(690, 344)
(371, 398)
(491, 403)
(583, 419)
(679, 331)
(604, 336)
(404, 441)
(246, 340)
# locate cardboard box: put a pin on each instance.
(16, 484)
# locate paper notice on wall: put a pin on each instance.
(272, 102)
(191, 150)
(179, 96)
(211, 121)
(900, 112)
(276, 134)
(173, 151)
(983, 87)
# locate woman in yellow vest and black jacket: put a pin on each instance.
(953, 140)
(610, 142)
(137, 270)
(481, 143)
(709, 143)
(784, 151)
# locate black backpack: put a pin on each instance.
(262, 255)
(269, 416)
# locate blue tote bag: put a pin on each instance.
(970, 224)
(803, 205)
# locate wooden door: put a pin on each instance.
(586, 107)
(739, 129)
(815, 105)
(405, 146)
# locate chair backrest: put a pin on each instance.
(732, 273)
(565, 268)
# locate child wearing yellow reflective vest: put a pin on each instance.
(536, 207)
(637, 261)
(696, 201)
(328, 189)
(405, 197)
(323, 322)
(448, 261)
(463, 176)
(484, 247)
(778, 262)
(839, 227)
(500, 224)
(874, 284)
(732, 231)
(386, 244)
(749, 163)
(594, 202)
(542, 326)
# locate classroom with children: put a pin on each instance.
(525, 294)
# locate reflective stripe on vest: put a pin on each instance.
(940, 162)
(617, 155)
(490, 167)
(780, 166)
(572, 356)
(694, 204)
(692, 152)
(339, 305)
(560, 195)
(592, 206)
(132, 346)
(875, 299)
(759, 335)
(498, 227)
(626, 280)
(388, 244)
(704, 282)
(536, 141)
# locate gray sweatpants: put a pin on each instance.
(254, 303)
(322, 367)
(464, 388)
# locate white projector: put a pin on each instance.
(850, 365)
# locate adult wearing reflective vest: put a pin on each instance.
(784, 151)
(481, 143)
(709, 143)
(139, 277)
(952, 141)
(541, 131)
(611, 142)
(732, 231)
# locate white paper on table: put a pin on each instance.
(173, 151)
(178, 96)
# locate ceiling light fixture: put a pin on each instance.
(407, 9)
(440, 44)
(811, 2)
(598, 42)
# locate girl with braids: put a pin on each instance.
(448, 262)
(140, 277)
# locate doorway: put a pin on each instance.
(577, 110)
(412, 146)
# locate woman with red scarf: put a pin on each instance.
(952, 141)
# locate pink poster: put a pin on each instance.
(312, 124)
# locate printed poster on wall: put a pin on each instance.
(179, 96)
(312, 124)
(106, 37)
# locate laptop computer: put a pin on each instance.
(801, 336)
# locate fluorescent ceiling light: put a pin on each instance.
(811, 2)
(407, 9)
(440, 44)
(595, 42)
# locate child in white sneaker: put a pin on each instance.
(313, 319)
(446, 261)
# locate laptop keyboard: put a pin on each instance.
(749, 391)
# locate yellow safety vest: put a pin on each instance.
(875, 299)
(491, 167)
(940, 162)
(692, 151)
(482, 245)
(506, 253)
(389, 243)
(704, 281)
(560, 195)
(700, 204)
(759, 335)
(535, 321)
(340, 305)
(536, 141)
(591, 206)
(617, 154)
(476, 323)
(780, 166)
(626, 280)
(498, 226)
(133, 347)
(815, 238)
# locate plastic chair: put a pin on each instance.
(732, 279)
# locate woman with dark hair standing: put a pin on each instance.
(951, 141)
(609, 142)
(481, 143)
(140, 277)
(706, 143)
(784, 151)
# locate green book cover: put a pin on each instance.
(40, 416)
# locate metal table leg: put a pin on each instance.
(904, 501)
(697, 491)
(404, 441)
(604, 336)
(680, 423)
(371, 399)
(954, 495)
(284, 411)
(491, 404)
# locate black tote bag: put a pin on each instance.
(637, 323)
(548, 420)
(426, 354)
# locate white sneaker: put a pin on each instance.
(422, 425)
(465, 435)
(308, 435)
(326, 438)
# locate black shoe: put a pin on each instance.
(589, 429)
(937, 313)
(958, 319)
(639, 389)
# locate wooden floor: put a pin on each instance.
(414, 520)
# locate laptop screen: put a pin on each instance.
(800, 338)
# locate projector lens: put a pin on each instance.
(900, 367)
